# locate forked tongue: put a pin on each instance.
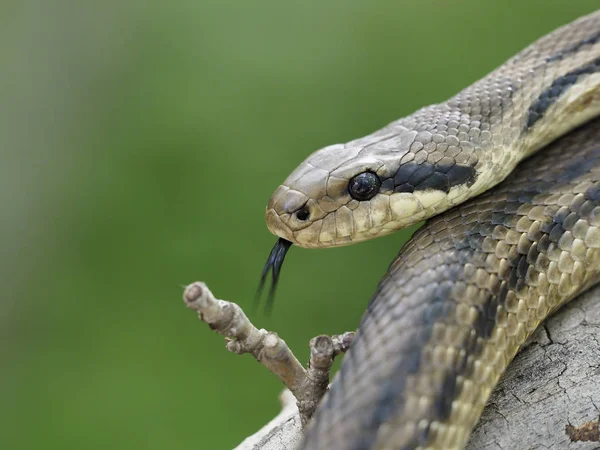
(273, 264)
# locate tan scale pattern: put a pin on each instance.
(421, 347)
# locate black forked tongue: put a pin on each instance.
(274, 263)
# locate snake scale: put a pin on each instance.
(473, 283)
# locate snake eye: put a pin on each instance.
(302, 214)
(364, 186)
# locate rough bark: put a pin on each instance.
(549, 397)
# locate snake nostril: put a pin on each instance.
(302, 214)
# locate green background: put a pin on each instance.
(140, 144)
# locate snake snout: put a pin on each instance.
(287, 211)
(287, 201)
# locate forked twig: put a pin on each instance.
(307, 385)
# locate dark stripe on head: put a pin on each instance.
(442, 176)
(558, 87)
(595, 38)
(468, 247)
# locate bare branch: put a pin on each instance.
(229, 320)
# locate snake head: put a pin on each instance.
(315, 207)
(347, 193)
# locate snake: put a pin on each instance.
(512, 233)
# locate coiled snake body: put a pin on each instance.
(470, 286)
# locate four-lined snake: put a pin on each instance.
(467, 290)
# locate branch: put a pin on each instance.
(307, 385)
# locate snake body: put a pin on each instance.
(467, 290)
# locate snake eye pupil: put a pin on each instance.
(364, 186)
(302, 214)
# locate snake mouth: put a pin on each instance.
(273, 264)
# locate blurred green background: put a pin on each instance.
(140, 144)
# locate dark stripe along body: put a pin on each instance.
(558, 88)
(459, 300)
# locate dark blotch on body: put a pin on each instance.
(593, 192)
(595, 38)
(559, 86)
